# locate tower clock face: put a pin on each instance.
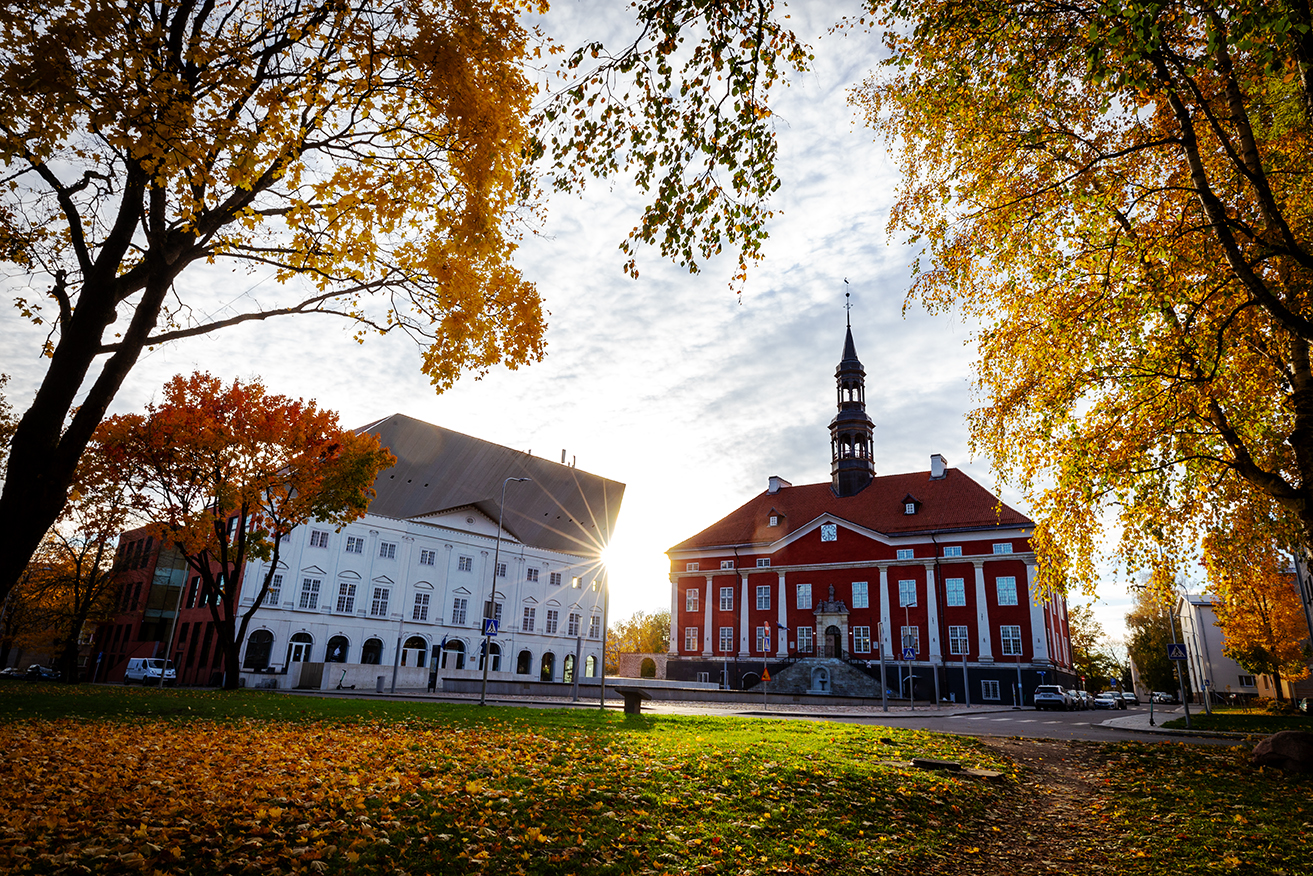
(829, 532)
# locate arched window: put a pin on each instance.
(524, 663)
(259, 645)
(412, 653)
(495, 650)
(567, 669)
(298, 649)
(372, 652)
(590, 667)
(454, 654)
(549, 667)
(337, 650)
(647, 669)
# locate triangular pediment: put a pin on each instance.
(384, 579)
(312, 570)
(478, 517)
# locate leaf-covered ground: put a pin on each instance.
(146, 786)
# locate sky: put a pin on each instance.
(672, 384)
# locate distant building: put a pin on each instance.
(816, 582)
(415, 572)
(1207, 662)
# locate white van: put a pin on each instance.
(146, 670)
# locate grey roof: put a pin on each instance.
(563, 509)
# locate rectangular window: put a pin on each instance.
(911, 638)
(862, 640)
(763, 562)
(763, 639)
(955, 591)
(465, 564)
(595, 627)
(726, 639)
(554, 579)
(428, 557)
(957, 641)
(378, 607)
(690, 638)
(355, 544)
(309, 593)
(1003, 547)
(905, 554)
(727, 564)
(804, 640)
(775, 520)
(531, 575)
(387, 550)
(346, 597)
(804, 596)
(421, 609)
(275, 591)
(909, 507)
(954, 551)
(727, 599)
(691, 599)
(1245, 681)
(906, 592)
(763, 597)
(530, 615)
(572, 625)
(690, 567)
(493, 610)
(989, 690)
(1007, 589)
(459, 607)
(319, 538)
(553, 617)
(576, 582)
(501, 570)
(1011, 635)
(861, 595)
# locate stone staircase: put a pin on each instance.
(834, 677)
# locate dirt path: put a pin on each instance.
(1048, 828)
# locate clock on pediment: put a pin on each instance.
(829, 532)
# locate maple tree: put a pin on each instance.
(641, 633)
(228, 472)
(1152, 629)
(1120, 194)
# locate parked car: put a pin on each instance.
(37, 672)
(1129, 697)
(1081, 699)
(11, 672)
(1052, 697)
(1109, 700)
(1163, 697)
(146, 670)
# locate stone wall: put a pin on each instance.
(631, 665)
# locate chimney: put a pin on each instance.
(938, 467)
(776, 483)
(562, 456)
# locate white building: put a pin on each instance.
(1205, 658)
(417, 570)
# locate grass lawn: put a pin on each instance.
(127, 780)
(1241, 721)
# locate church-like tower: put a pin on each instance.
(852, 465)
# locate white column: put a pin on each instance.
(743, 617)
(782, 613)
(932, 611)
(1039, 642)
(984, 641)
(706, 638)
(672, 647)
(886, 638)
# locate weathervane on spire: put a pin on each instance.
(848, 305)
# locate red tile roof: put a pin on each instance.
(951, 504)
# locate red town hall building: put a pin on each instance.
(927, 573)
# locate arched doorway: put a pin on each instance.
(454, 654)
(494, 649)
(524, 663)
(337, 650)
(833, 641)
(590, 666)
(259, 646)
(548, 667)
(750, 680)
(298, 649)
(567, 669)
(412, 653)
(372, 652)
(647, 669)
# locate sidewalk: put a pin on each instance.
(1138, 722)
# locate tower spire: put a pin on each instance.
(852, 463)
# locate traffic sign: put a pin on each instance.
(490, 626)
(908, 654)
(1175, 651)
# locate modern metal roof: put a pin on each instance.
(563, 509)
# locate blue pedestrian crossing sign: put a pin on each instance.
(908, 654)
(490, 626)
(1176, 651)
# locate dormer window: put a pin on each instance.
(909, 507)
(775, 520)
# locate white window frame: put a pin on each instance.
(861, 640)
(804, 640)
(690, 567)
(346, 597)
(387, 550)
(1010, 636)
(955, 591)
(763, 597)
(763, 562)
(959, 640)
(907, 593)
(420, 611)
(774, 520)
(531, 575)
(530, 615)
(1002, 547)
(953, 550)
(275, 591)
(465, 564)
(428, 557)
(309, 599)
(553, 621)
(1006, 586)
(989, 689)
(501, 570)
(378, 604)
(691, 599)
(909, 507)
(319, 538)
(726, 639)
(554, 579)
(355, 544)
(910, 637)
(763, 639)
(727, 564)
(906, 554)
(804, 596)
(459, 611)
(861, 594)
(595, 626)
(727, 599)
(572, 625)
(691, 639)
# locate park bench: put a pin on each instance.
(634, 698)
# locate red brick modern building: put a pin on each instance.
(818, 582)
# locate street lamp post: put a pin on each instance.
(489, 610)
